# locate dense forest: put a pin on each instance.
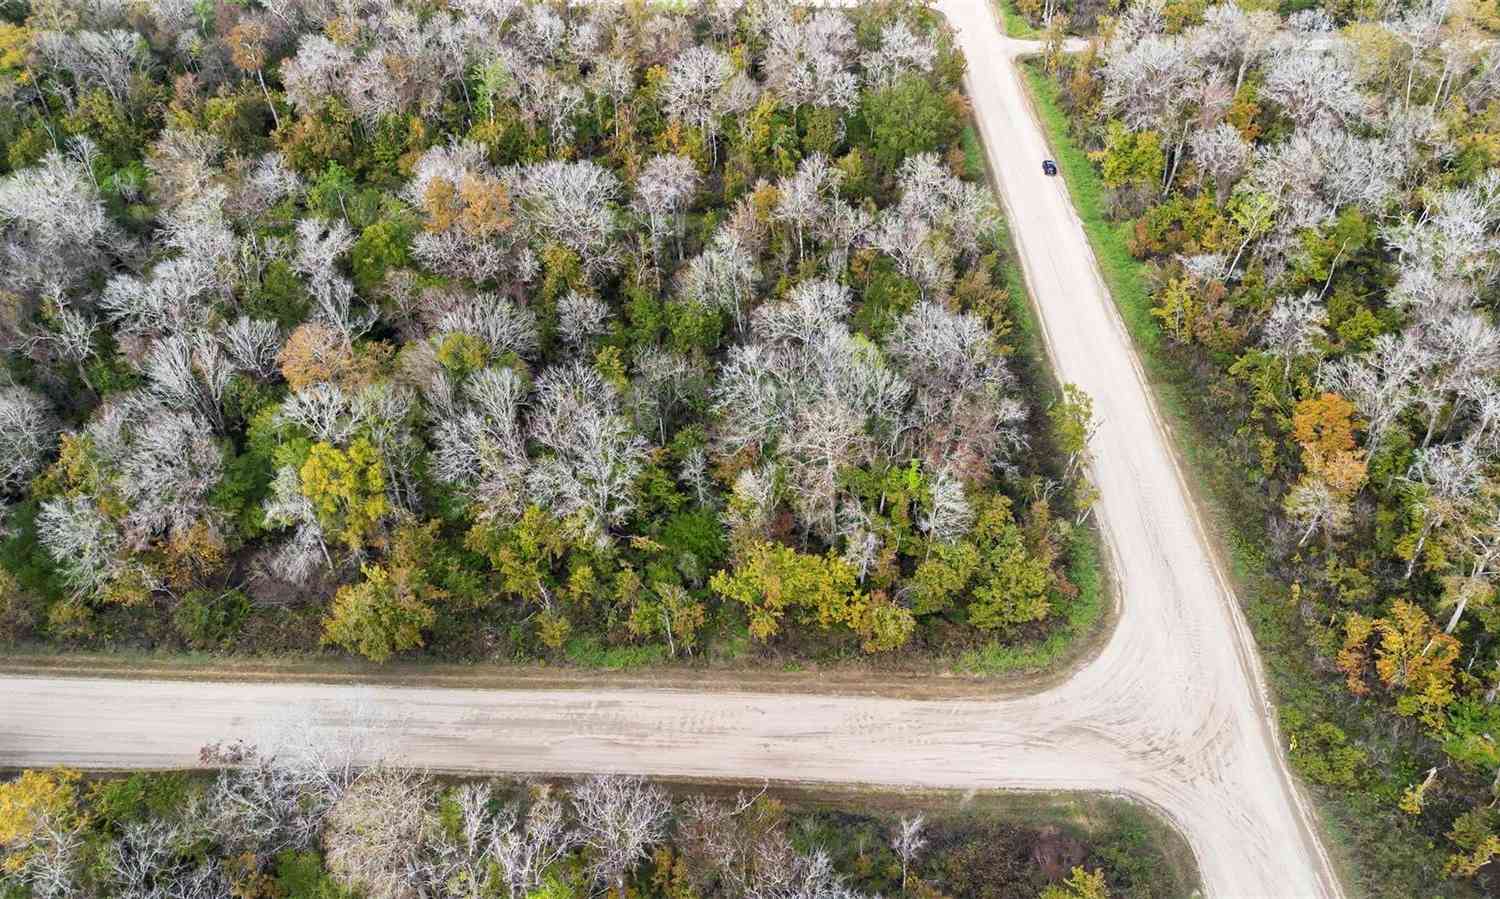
(513, 330)
(299, 819)
(1312, 198)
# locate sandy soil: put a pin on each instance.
(1172, 712)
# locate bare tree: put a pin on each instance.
(694, 91)
(581, 318)
(824, 439)
(950, 516)
(55, 228)
(190, 372)
(457, 856)
(184, 165)
(252, 345)
(961, 386)
(807, 56)
(1148, 84)
(1293, 328)
(619, 819)
(595, 455)
(901, 51)
(503, 325)
(664, 383)
(262, 804)
(794, 875)
(803, 197)
(1418, 27)
(28, 432)
(1317, 506)
(573, 202)
(1475, 540)
(753, 501)
(1224, 155)
(154, 860)
(319, 70)
(907, 841)
(1233, 38)
(722, 276)
(50, 857)
(919, 253)
(664, 191)
(95, 59)
(481, 446)
(82, 542)
(319, 246)
(299, 559)
(172, 466)
(325, 411)
(269, 181)
(1315, 88)
(372, 832)
(525, 847)
(1379, 383)
(1441, 480)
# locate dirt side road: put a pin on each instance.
(1171, 712)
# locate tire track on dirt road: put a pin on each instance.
(1171, 712)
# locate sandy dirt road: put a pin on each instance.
(1172, 711)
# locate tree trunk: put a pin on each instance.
(1457, 613)
(1308, 536)
(1432, 421)
(1235, 262)
(1176, 160)
(1421, 541)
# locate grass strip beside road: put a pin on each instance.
(1014, 23)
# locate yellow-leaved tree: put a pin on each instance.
(347, 488)
(33, 802)
(1413, 659)
(388, 611)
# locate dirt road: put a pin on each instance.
(1171, 712)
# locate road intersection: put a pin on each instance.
(1172, 712)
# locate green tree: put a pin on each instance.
(1010, 584)
(1081, 884)
(524, 555)
(772, 578)
(1476, 833)
(300, 875)
(907, 118)
(381, 247)
(884, 625)
(1129, 158)
(671, 613)
(1073, 426)
(943, 576)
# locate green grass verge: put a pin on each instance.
(1378, 852)
(1015, 24)
(588, 652)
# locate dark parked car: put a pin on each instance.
(1049, 167)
